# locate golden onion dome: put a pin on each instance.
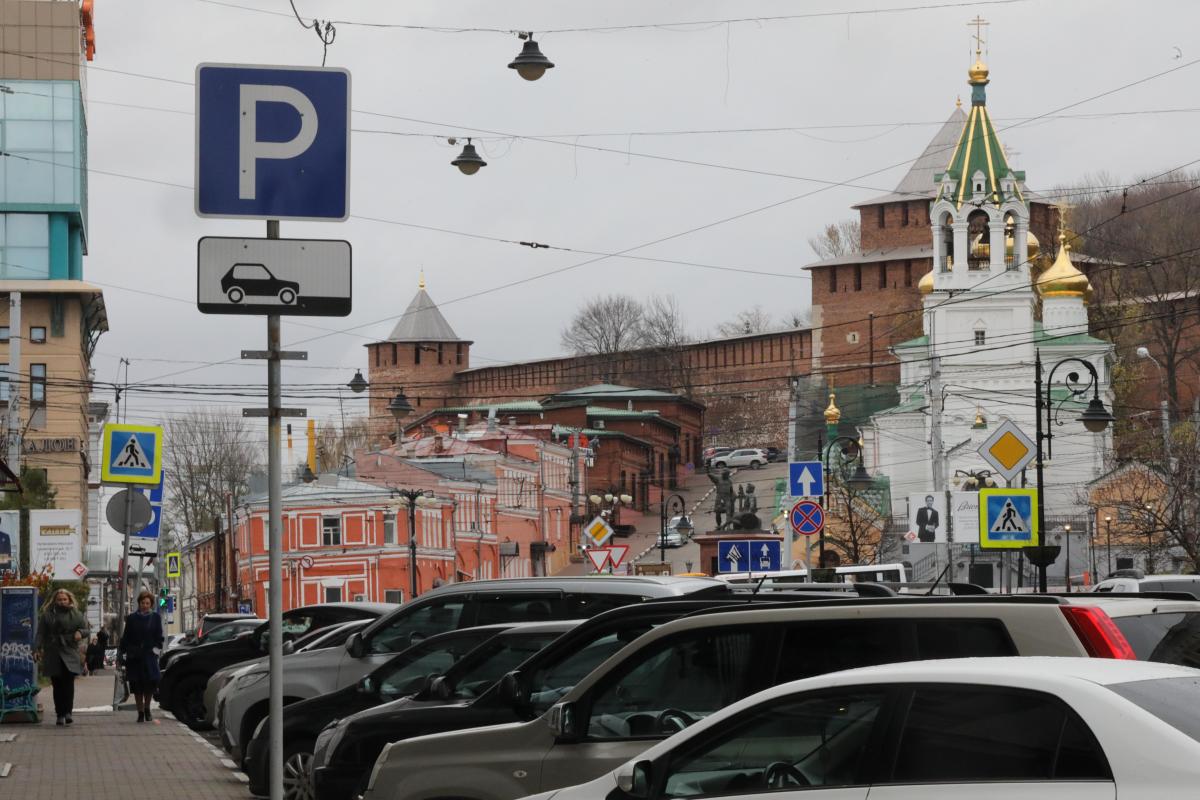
(983, 251)
(925, 285)
(978, 73)
(1063, 279)
(832, 413)
(1032, 246)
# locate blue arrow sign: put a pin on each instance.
(806, 479)
(749, 556)
(733, 556)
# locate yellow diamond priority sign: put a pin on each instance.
(598, 532)
(1008, 450)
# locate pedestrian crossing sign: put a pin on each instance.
(1008, 518)
(131, 454)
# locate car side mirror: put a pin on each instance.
(510, 690)
(355, 646)
(634, 778)
(563, 720)
(439, 688)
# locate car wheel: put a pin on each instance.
(235, 294)
(188, 702)
(297, 771)
(755, 464)
(719, 464)
(287, 296)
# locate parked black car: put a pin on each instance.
(186, 672)
(346, 749)
(467, 657)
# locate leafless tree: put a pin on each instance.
(746, 322)
(336, 445)
(837, 239)
(798, 318)
(664, 333)
(1148, 289)
(609, 324)
(207, 455)
(856, 525)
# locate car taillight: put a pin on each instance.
(1099, 634)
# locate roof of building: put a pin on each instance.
(906, 253)
(918, 182)
(915, 402)
(527, 406)
(337, 488)
(620, 413)
(614, 390)
(978, 153)
(455, 469)
(597, 433)
(422, 322)
(1042, 338)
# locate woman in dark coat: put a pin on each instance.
(60, 630)
(140, 645)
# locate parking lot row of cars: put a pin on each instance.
(505, 689)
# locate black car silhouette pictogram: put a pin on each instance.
(256, 280)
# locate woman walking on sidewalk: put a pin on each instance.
(141, 643)
(60, 630)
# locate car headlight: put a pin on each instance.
(249, 679)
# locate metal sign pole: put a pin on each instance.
(122, 591)
(275, 544)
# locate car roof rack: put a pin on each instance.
(951, 587)
(1132, 595)
(860, 588)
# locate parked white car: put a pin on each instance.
(751, 457)
(988, 729)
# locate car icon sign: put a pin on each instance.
(255, 280)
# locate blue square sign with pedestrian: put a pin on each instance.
(272, 142)
(131, 454)
(1008, 518)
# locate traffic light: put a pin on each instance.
(162, 597)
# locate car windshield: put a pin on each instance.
(229, 630)
(1173, 700)
(406, 673)
(324, 638)
(1171, 638)
(488, 663)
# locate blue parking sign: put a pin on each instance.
(272, 142)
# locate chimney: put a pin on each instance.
(491, 420)
(462, 425)
(629, 405)
(439, 445)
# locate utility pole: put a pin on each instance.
(14, 382)
(939, 456)
(793, 416)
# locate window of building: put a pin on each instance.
(389, 529)
(908, 273)
(377, 350)
(43, 129)
(37, 334)
(24, 245)
(333, 594)
(880, 212)
(395, 354)
(331, 531)
(4, 333)
(833, 280)
(37, 383)
(980, 338)
(858, 277)
(904, 214)
(417, 353)
(883, 276)
(439, 352)
(393, 596)
(458, 354)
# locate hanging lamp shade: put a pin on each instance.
(530, 64)
(399, 406)
(468, 161)
(358, 383)
(1096, 417)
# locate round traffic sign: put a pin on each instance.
(807, 518)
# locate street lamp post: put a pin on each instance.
(857, 482)
(1095, 418)
(412, 498)
(1149, 539)
(1163, 406)
(671, 505)
(1067, 570)
(399, 408)
(1108, 535)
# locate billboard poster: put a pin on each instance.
(965, 516)
(55, 540)
(10, 541)
(927, 517)
(18, 673)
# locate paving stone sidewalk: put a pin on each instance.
(110, 755)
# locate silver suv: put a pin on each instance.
(689, 668)
(752, 458)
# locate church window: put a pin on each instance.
(980, 338)
(979, 235)
(904, 214)
(883, 276)
(880, 209)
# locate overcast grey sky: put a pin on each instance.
(893, 77)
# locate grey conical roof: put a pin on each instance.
(918, 181)
(422, 322)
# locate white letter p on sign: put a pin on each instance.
(250, 149)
